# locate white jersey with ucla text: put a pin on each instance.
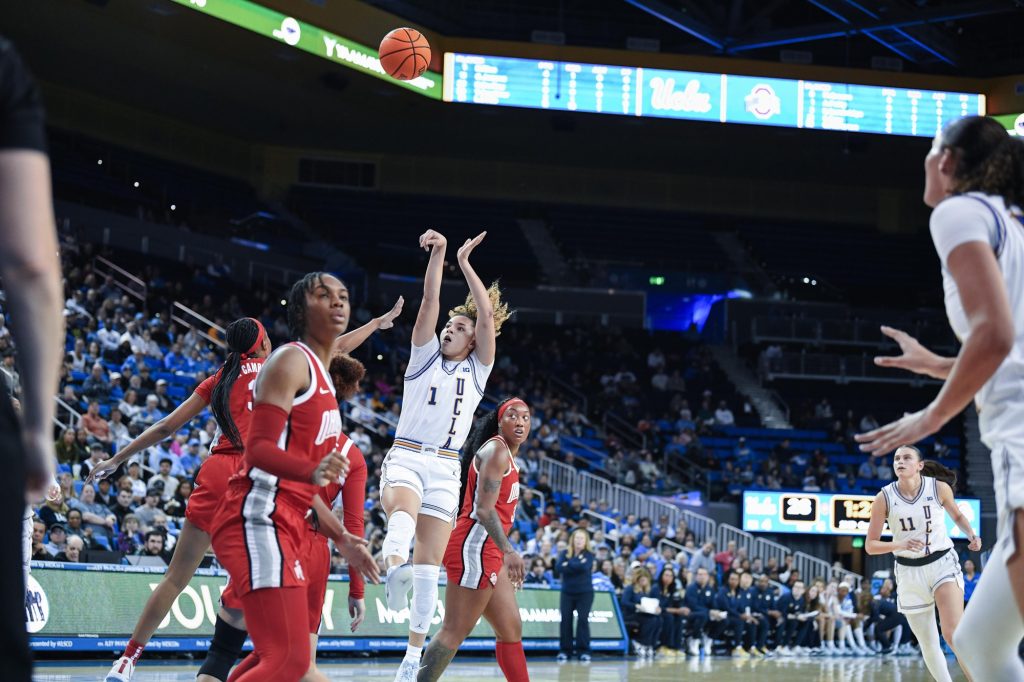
(919, 518)
(984, 218)
(440, 397)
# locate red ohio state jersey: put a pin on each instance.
(313, 430)
(508, 493)
(239, 403)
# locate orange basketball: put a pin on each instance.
(404, 53)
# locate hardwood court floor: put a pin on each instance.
(545, 669)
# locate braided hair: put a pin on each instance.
(240, 336)
(484, 428)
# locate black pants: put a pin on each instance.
(15, 658)
(580, 603)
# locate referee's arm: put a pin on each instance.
(29, 265)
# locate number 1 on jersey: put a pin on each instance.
(433, 396)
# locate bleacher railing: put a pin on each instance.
(626, 431)
(123, 280)
(578, 395)
(850, 577)
(860, 332)
(838, 367)
(187, 317)
(810, 567)
(623, 500)
(681, 550)
(61, 405)
(607, 524)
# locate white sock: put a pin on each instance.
(424, 597)
(926, 629)
(413, 653)
(858, 636)
(401, 529)
(987, 637)
(897, 636)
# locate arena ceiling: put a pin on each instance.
(962, 37)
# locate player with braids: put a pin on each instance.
(444, 382)
(974, 179)
(294, 448)
(927, 569)
(484, 570)
(229, 395)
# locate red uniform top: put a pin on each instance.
(239, 403)
(352, 491)
(313, 430)
(508, 493)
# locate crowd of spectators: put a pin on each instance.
(127, 366)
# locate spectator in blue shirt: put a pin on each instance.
(766, 604)
(574, 567)
(636, 610)
(732, 600)
(793, 607)
(699, 599)
(644, 552)
(670, 595)
(971, 578)
(754, 620)
(629, 526)
(175, 358)
(98, 518)
(135, 362)
(96, 386)
(191, 459)
(150, 414)
(539, 574)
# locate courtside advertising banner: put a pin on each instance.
(98, 605)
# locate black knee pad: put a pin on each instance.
(225, 649)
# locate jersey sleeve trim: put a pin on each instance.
(476, 381)
(1000, 226)
(885, 494)
(427, 365)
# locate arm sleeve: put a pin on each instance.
(959, 220)
(261, 449)
(353, 499)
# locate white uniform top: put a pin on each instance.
(439, 397)
(921, 518)
(980, 217)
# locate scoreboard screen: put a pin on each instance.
(769, 511)
(725, 98)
